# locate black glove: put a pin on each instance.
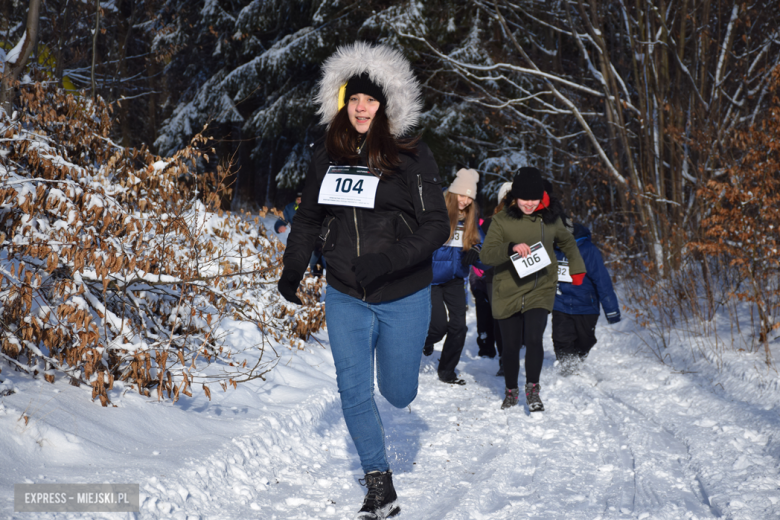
(288, 285)
(471, 256)
(614, 318)
(371, 266)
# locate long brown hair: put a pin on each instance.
(342, 141)
(470, 224)
(500, 206)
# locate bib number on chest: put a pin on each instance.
(349, 186)
(563, 271)
(538, 259)
(457, 238)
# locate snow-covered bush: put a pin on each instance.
(114, 264)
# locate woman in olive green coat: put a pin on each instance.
(521, 305)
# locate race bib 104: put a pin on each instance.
(457, 238)
(563, 271)
(536, 260)
(349, 186)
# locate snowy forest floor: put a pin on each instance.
(627, 438)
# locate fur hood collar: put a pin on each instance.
(387, 68)
(549, 214)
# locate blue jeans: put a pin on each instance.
(395, 333)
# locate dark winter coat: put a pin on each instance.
(408, 223)
(512, 294)
(447, 263)
(596, 287)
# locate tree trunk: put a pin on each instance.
(14, 70)
(124, 30)
(65, 23)
(94, 48)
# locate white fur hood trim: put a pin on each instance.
(387, 68)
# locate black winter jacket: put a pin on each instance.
(408, 223)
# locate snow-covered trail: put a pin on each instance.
(626, 438)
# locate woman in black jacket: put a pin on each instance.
(373, 198)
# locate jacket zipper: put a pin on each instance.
(325, 238)
(419, 188)
(357, 241)
(405, 222)
(357, 233)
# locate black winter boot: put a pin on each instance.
(451, 379)
(486, 348)
(381, 497)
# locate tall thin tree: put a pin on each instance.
(13, 69)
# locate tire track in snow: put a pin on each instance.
(656, 478)
(714, 430)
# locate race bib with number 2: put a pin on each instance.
(538, 259)
(563, 271)
(349, 186)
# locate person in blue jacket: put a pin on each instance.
(451, 264)
(290, 209)
(576, 308)
(317, 260)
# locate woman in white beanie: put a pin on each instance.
(451, 264)
(373, 199)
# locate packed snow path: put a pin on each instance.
(626, 438)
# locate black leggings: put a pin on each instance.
(523, 328)
(448, 298)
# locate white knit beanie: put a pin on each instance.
(465, 183)
(503, 190)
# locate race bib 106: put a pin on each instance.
(457, 238)
(563, 271)
(349, 186)
(536, 260)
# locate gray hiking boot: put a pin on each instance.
(512, 396)
(380, 501)
(532, 397)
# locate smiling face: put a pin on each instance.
(464, 201)
(528, 206)
(361, 109)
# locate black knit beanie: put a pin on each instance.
(528, 184)
(363, 85)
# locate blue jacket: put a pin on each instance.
(596, 287)
(447, 263)
(289, 212)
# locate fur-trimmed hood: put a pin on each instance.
(549, 214)
(387, 68)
